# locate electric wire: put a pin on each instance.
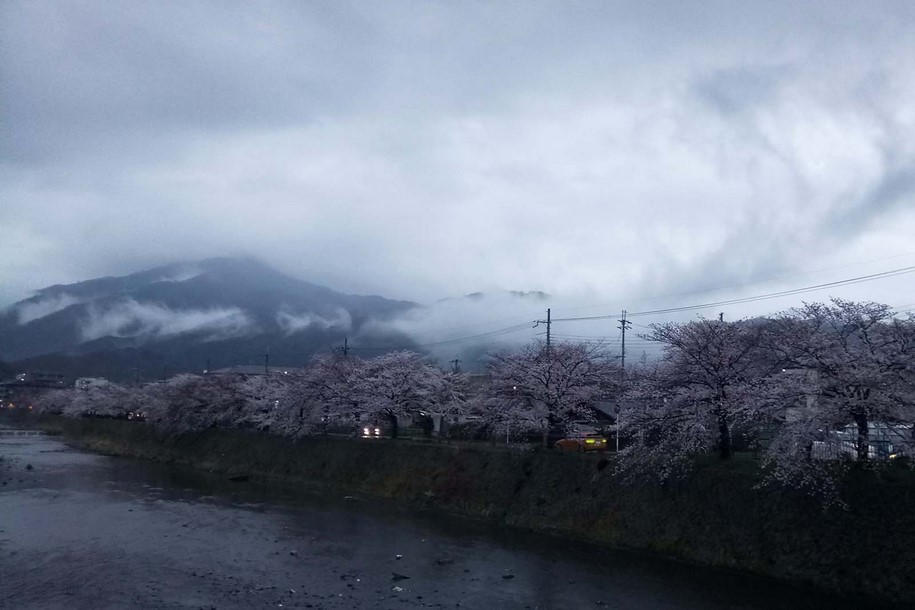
(760, 297)
(643, 342)
(771, 279)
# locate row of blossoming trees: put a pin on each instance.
(820, 382)
(333, 392)
(790, 384)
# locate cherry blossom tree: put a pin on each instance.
(331, 390)
(712, 378)
(448, 395)
(109, 400)
(199, 402)
(549, 388)
(187, 402)
(397, 383)
(859, 363)
(269, 401)
(53, 402)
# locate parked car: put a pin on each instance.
(582, 444)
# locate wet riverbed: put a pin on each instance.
(79, 530)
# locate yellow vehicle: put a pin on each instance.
(582, 444)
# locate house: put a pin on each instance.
(85, 383)
(884, 441)
(39, 379)
(254, 369)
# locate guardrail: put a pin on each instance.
(17, 432)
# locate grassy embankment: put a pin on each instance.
(716, 517)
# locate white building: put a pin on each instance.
(84, 383)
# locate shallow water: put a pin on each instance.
(79, 530)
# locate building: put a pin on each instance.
(39, 379)
(254, 369)
(85, 383)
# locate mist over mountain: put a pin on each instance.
(527, 295)
(182, 316)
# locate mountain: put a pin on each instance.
(185, 316)
(6, 371)
(526, 295)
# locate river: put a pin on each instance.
(79, 530)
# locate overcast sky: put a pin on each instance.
(606, 152)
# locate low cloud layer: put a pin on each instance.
(145, 320)
(458, 317)
(185, 273)
(470, 326)
(601, 152)
(44, 306)
(292, 323)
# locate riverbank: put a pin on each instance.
(716, 517)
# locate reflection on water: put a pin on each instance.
(88, 531)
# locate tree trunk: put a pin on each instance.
(862, 443)
(724, 438)
(428, 425)
(393, 419)
(546, 425)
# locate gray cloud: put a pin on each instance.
(292, 323)
(182, 274)
(145, 320)
(895, 188)
(39, 308)
(603, 152)
(740, 89)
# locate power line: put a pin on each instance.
(760, 297)
(641, 326)
(607, 340)
(492, 333)
(735, 301)
(644, 342)
(907, 308)
(769, 280)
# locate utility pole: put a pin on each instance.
(346, 347)
(547, 329)
(548, 323)
(624, 325)
(456, 365)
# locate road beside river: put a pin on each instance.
(79, 530)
